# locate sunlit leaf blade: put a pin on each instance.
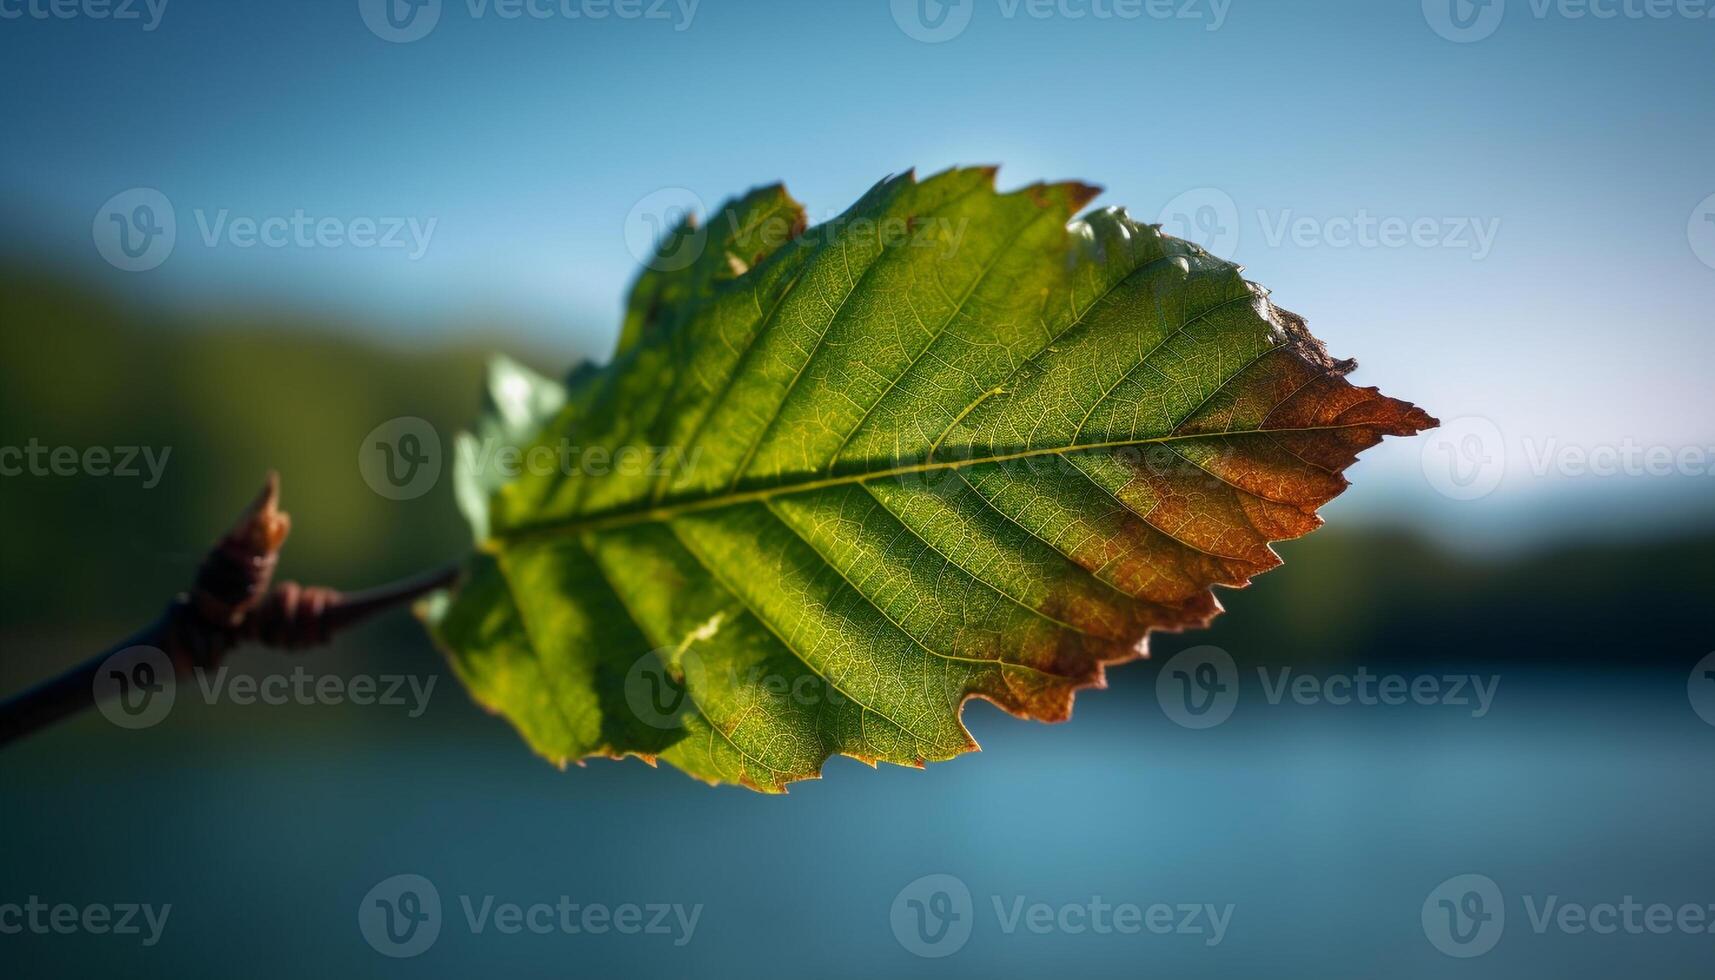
(837, 481)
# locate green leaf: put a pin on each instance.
(836, 481)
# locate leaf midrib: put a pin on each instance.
(629, 517)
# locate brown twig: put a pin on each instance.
(230, 603)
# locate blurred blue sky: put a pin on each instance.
(1562, 163)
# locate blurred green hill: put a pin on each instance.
(230, 396)
(83, 558)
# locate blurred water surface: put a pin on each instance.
(1325, 828)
